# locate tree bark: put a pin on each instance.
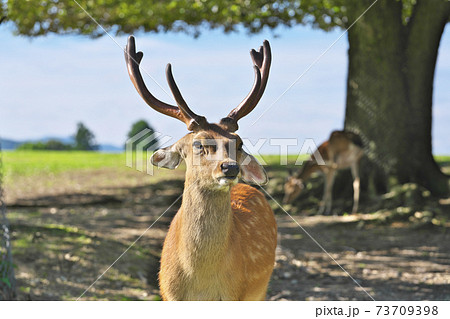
(390, 87)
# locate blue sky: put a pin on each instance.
(48, 84)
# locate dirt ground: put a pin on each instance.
(68, 230)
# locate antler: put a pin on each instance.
(261, 61)
(181, 112)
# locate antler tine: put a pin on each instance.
(230, 122)
(193, 120)
(261, 61)
(249, 101)
(133, 59)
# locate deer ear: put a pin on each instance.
(252, 172)
(167, 157)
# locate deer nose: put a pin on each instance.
(230, 169)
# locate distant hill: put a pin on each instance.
(8, 144)
(108, 148)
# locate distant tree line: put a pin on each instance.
(84, 139)
(50, 145)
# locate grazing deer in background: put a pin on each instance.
(342, 150)
(221, 243)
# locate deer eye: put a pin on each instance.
(240, 146)
(197, 145)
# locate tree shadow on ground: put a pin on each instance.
(64, 245)
(65, 242)
(383, 260)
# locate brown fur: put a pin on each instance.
(342, 150)
(221, 243)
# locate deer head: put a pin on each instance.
(213, 152)
(292, 188)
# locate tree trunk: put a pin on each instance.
(390, 87)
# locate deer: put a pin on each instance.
(343, 150)
(221, 242)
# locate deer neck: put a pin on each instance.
(206, 221)
(308, 168)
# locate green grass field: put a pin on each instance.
(28, 163)
(442, 158)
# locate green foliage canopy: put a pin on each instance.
(39, 17)
(50, 145)
(84, 139)
(33, 17)
(140, 126)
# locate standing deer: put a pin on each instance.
(221, 243)
(342, 150)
